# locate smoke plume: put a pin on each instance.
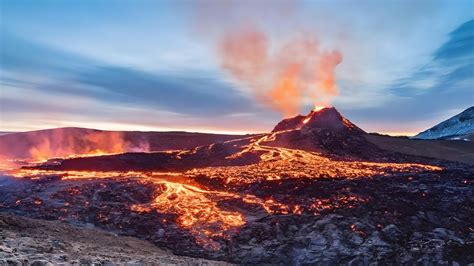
(280, 76)
(266, 48)
(61, 142)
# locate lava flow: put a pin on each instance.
(197, 209)
(213, 199)
(228, 202)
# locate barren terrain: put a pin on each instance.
(314, 190)
(32, 241)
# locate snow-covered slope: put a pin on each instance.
(460, 126)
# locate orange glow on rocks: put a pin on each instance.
(42, 145)
(318, 108)
(306, 120)
(92, 144)
(212, 203)
(205, 212)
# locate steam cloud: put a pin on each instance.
(59, 144)
(257, 46)
(46, 144)
(280, 76)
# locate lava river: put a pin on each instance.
(211, 204)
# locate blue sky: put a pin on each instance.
(151, 65)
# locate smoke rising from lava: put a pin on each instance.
(46, 144)
(267, 50)
(280, 76)
(59, 144)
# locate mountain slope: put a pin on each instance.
(327, 118)
(460, 126)
(60, 142)
(450, 150)
(324, 131)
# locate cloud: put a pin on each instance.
(459, 46)
(437, 89)
(450, 66)
(50, 71)
(19, 54)
(101, 61)
(181, 92)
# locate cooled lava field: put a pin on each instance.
(313, 190)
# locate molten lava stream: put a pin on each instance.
(197, 209)
(200, 212)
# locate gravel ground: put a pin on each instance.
(38, 242)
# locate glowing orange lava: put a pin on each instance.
(278, 162)
(318, 108)
(197, 209)
(201, 211)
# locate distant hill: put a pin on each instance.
(460, 127)
(59, 142)
(451, 150)
(325, 132)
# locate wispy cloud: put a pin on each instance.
(437, 89)
(38, 79)
(450, 67)
(24, 62)
(144, 64)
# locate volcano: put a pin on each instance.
(324, 131)
(324, 119)
(313, 190)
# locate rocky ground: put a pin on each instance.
(452, 150)
(413, 215)
(314, 191)
(38, 242)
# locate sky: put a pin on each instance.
(154, 65)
